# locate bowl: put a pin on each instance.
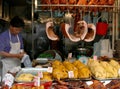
(42, 60)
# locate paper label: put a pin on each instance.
(8, 79)
(40, 74)
(70, 74)
(50, 69)
(95, 57)
(70, 55)
(36, 81)
(119, 71)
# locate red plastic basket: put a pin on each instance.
(101, 27)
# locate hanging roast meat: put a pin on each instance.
(81, 29)
(71, 2)
(102, 2)
(50, 31)
(65, 31)
(111, 2)
(93, 2)
(90, 36)
(47, 2)
(55, 2)
(82, 2)
(63, 2)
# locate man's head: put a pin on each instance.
(16, 25)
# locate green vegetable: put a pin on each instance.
(45, 55)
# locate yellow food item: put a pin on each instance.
(59, 70)
(78, 64)
(59, 74)
(110, 70)
(25, 77)
(96, 69)
(83, 70)
(116, 65)
(56, 63)
(70, 67)
(46, 76)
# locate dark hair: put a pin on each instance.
(17, 22)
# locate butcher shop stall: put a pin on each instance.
(72, 44)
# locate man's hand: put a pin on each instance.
(9, 55)
(20, 55)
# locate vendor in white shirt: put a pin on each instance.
(11, 45)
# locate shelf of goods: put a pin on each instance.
(60, 78)
(63, 5)
(80, 7)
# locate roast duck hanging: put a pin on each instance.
(82, 31)
(73, 2)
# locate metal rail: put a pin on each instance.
(57, 5)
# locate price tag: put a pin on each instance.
(119, 71)
(36, 81)
(70, 74)
(70, 55)
(50, 69)
(95, 57)
(40, 74)
(8, 79)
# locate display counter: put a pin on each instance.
(67, 75)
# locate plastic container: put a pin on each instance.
(101, 27)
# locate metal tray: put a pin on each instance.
(33, 71)
(104, 79)
(77, 79)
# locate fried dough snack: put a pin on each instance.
(111, 72)
(83, 70)
(59, 74)
(96, 69)
(46, 76)
(70, 67)
(115, 64)
(56, 63)
(25, 77)
(59, 70)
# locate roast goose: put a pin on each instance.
(45, 2)
(93, 2)
(63, 2)
(72, 2)
(50, 31)
(91, 33)
(55, 2)
(81, 29)
(82, 2)
(102, 2)
(111, 2)
(65, 31)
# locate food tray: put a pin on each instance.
(103, 79)
(33, 71)
(77, 79)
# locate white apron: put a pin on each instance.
(9, 63)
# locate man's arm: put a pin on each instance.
(9, 55)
